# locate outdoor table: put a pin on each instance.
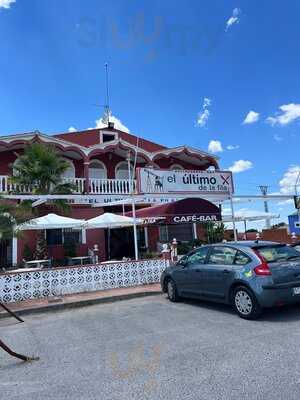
(37, 263)
(80, 259)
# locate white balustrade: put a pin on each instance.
(112, 186)
(7, 186)
(96, 186)
(77, 182)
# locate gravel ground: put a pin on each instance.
(152, 349)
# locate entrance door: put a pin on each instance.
(120, 243)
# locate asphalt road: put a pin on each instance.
(152, 349)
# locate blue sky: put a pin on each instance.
(171, 64)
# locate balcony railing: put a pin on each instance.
(96, 186)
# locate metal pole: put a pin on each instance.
(233, 218)
(264, 190)
(136, 250)
(245, 225)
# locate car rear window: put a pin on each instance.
(277, 253)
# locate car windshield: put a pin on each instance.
(277, 253)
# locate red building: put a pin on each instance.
(99, 162)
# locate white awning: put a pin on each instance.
(109, 220)
(249, 215)
(51, 221)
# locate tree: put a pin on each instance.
(41, 168)
(214, 232)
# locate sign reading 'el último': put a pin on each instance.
(182, 181)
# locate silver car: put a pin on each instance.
(248, 275)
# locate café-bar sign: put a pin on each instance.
(184, 181)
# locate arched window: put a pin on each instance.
(15, 163)
(175, 166)
(97, 170)
(121, 171)
(70, 172)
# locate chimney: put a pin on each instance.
(111, 125)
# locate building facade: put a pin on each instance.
(101, 166)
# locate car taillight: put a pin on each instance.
(263, 268)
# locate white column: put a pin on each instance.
(15, 251)
(195, 230)
(83, 235)
(146, 237)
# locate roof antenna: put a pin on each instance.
(106, 107)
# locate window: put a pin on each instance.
(56, 237)
(71, 236)
(198, 257)
(97, 170)
(15, 164)
(70, 172)
(163, 233)
(222, 255)
(277, 253)
(241, 258)
(121, 171)
(182, 232)
(107, 137)
(53, 237)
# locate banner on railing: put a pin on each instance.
(184, 181)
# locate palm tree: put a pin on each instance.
(41, 168)
(12, 214)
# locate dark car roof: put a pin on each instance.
(248, 243)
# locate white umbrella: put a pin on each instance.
(51, 221)
(109, 220)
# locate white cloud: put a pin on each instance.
(215, 146)
(102, 123)
(277, 138)
(234, 19)
(240, 166)
(289, 180)
(251, 117)
(72, 129)
(289, 113)
(203, 116)
(286, 202)
(6, 3)
(232, 147)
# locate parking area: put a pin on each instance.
(151, 348)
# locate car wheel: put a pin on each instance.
(172, 291)
(245, 303)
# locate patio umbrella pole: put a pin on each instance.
(11, 312)
(233, 218)
(136, 251)
(16, 355)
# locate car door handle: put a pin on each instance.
(226, 271)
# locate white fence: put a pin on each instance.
(18, 286)
(96, 186)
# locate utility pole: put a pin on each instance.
(264, 190)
